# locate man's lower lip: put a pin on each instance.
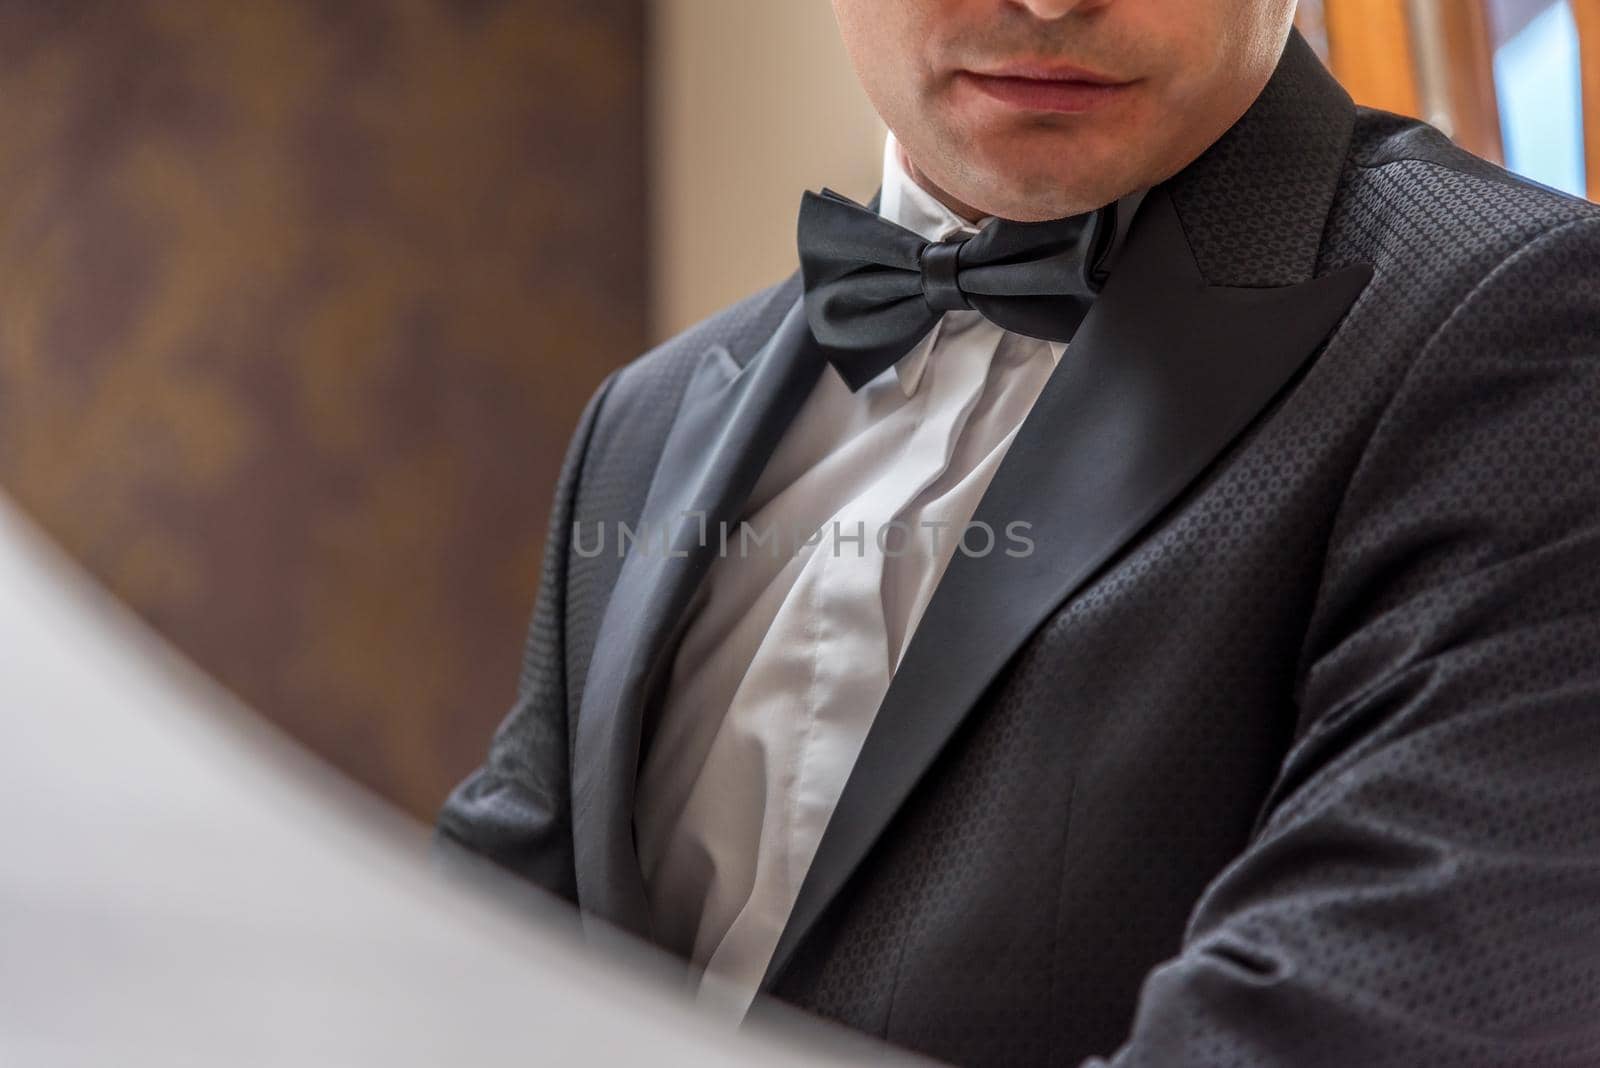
(1038, 95)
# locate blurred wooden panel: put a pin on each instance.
(1432, 59)
(1310, 20)
(1469, 41)
(1456, 56)
(301, 301)
(1586, 14)
(1370, 52)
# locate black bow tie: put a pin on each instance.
(873, 289)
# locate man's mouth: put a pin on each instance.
(1043, 86)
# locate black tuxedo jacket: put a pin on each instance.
(1282, 747)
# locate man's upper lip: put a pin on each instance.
(1047, 72)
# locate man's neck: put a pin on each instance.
(966, 211)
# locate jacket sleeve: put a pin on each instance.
(1423, 884)
(515, 810)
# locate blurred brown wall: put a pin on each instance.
(299, 301)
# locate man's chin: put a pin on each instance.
(1035, 182)
(1045, 195)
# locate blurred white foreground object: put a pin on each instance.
(180, 885)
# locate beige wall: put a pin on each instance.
(753, 102)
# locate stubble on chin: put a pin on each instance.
(1013, 179)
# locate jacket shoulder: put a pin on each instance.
(637, 403)
(660, 374)
(1439, 226)
(1403, 175)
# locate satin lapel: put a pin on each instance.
(1161, 376)
(729, 421)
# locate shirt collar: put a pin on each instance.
(902, 201)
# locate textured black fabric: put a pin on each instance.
(516, 809)
(873, 288)
(1309, 773)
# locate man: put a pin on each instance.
(1248, 712)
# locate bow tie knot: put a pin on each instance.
(941, 270)
(873, 289)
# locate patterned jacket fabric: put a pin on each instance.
(1308, 772)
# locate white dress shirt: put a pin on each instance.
(788, 654)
